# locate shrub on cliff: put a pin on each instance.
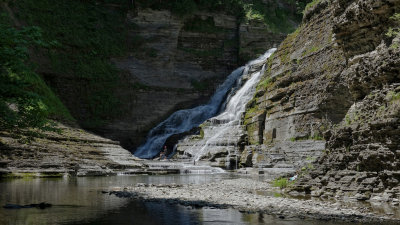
(25, 100)
(89, 33)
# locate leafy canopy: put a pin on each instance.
(24, 97)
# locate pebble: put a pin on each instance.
(240, 193)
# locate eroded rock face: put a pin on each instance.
(335, 79)
(253, 36)
(73, 151)
(362, 152)
(299, 97)
(360, 26)
(177, 64)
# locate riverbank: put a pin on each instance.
(71, 151)
(250, 195)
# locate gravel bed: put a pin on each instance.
(243, 194)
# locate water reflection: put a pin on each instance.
(80, 201)
(77, 199)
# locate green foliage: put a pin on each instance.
(310, 158)
(393, 96)
(252, 110)
(310, 5)
(272, 13)
(201, 134)
(352, 117)
(264, 84)
(347, 120)
(394, 31)
(306, 169)
(187, 7)
(395, 45)
(88, 34)
(310, 51)
(25, 100)
(318, 137)
(282, 183)
(296, 32)
(395, 17)
(315, 137)
(277, 18)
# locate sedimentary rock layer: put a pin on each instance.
(336, 79)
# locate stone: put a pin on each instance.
(72, 151)
(174, 67)
(335, 78)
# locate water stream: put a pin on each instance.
(225, 129)
(184, 120)
(80, 201)
(222, 133)
(232, 107)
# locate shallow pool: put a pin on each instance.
(80, 201)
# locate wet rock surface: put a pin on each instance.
(73, 151)
(335, 81)
(248, 195)
(299, 97)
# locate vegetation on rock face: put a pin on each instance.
(278, 19)
(88, 34)
(25, 99)
(282, 182)
(394, 31)
(271, 13)
(310, 5)
(187, 7)
(75, 41)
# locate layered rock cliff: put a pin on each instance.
(180, 64)
(149, 61)
(329, 102)
(121, 67)
(70, 151)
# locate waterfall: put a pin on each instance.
(184, 120)
(224, 130)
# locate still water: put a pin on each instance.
(80, 201)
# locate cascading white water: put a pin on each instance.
(184, 120)
(228, 122)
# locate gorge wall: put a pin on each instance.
(180, 64)
(122, 67)
(329, 102)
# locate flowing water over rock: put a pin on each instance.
(221, 135)
(184, 120)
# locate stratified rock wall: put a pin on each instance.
(334, 80)
(178, 64)
(300, 95)
(363, 150)
(72, 151)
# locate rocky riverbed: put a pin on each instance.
(71, 151)
(250, 195)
